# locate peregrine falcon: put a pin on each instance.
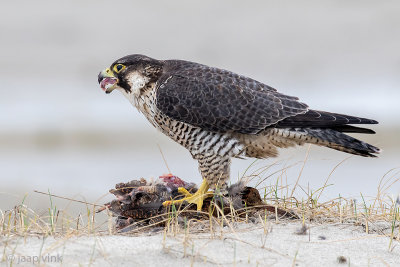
(218, 115)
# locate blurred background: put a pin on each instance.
(59, 132)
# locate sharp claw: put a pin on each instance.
(167, 203)
(199, 206)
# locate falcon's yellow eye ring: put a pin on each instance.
(119, 67)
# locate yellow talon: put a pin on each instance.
(184, 192)
(196, 198)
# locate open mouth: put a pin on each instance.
(108, 83)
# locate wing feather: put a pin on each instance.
(221, 101)
(322, 119)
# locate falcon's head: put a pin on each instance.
(130, 73)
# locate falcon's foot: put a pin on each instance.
(196, 198)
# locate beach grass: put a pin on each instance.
(378, 215)
(305, 202)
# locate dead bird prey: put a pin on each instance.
(141, 202)
(218, 115)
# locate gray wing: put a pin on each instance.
(221, 101)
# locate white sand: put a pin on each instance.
(282, 247)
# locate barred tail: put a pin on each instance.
(339, 141)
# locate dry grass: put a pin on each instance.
(21, 221)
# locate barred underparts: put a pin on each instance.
(217, 114)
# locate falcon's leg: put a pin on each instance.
(196, 198)
(215, 171)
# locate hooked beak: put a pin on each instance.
(107, 80)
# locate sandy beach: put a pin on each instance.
(251, 244)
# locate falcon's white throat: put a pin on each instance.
(137, 82)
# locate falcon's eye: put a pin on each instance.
(118, 68)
